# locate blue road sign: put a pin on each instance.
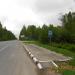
(50, 33)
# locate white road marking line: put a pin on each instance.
(3, 48)
(54, 64)
(43, 61)
(51, 62)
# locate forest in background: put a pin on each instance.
(63, 33)
(62, 36)
(6, 35)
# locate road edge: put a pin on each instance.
(35, 60)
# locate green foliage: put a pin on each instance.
(31, 32)
(44, 34)
(68, 72)
(67, 46)
(64, 33)
(0, 25)
(68, 21)
(23, 33)
(5, 34)
(38, 33)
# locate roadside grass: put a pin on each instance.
(67, 46)
(68, 72)
(63, 49)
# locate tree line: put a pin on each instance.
(5, 34)
(63, 33)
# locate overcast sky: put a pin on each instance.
(15, 13)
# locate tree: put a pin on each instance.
(44, 34)
(0, 25)
(5, 34)
(68, 21)
(31, 32)
(38, 34)
(23, 33)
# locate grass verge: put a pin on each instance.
(68, 72)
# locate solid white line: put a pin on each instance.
(43, 61)
(51, 62)
(3, 48)
(54, 64)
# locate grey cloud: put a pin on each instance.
(26, 3)
(49, 9)
(52, 5)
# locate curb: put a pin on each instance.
(36, 61)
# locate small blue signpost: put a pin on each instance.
(50, 33)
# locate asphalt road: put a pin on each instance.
(14, 60)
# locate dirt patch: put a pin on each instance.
(66, 66)
(49, 71)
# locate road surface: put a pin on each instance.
(14, 60)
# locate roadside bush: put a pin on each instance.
(70, 47)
